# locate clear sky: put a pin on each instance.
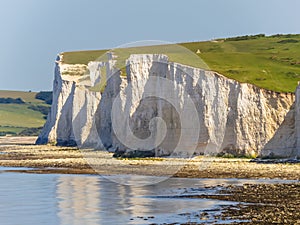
(34, 31)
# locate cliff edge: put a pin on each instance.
(169, 109)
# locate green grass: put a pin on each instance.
(8, 129)
(17, 117)
(82, 57)
(272, 62)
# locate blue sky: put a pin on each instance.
(34, 31)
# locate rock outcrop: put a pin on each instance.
(168, 108)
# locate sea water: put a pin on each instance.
(61, 199)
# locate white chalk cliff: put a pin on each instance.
(168, 108)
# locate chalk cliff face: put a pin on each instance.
(169, 108)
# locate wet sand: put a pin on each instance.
(278, 203)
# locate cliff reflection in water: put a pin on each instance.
(78, 197)
(93, 200)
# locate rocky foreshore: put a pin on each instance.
(276, 161)
(258, 203)
(267, 203)
(261, 203)
(52, 159)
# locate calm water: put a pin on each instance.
(30, 199)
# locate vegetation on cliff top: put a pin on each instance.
(271, 62)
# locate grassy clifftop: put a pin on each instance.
(270, 62)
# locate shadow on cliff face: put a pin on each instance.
(184, 76)
(146, 109)
(103, 113)
(64, 131)
(230, 135)
(151, 107)
(78, 123)
(65, 135)
(283, 143)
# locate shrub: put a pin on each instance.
(246, 37)
(31, 131)
(46, 96)
(11, 101)
(4, 133)
(283, 35)
(40, 108)
(288, 41)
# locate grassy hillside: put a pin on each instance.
(28, 97)
(15, 118)
(271, 62)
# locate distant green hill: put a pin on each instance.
(271, 62)
(22, 118)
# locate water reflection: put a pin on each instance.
(93, 200)
(78, 198)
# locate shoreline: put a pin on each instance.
(259, 204)
(67, 160)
